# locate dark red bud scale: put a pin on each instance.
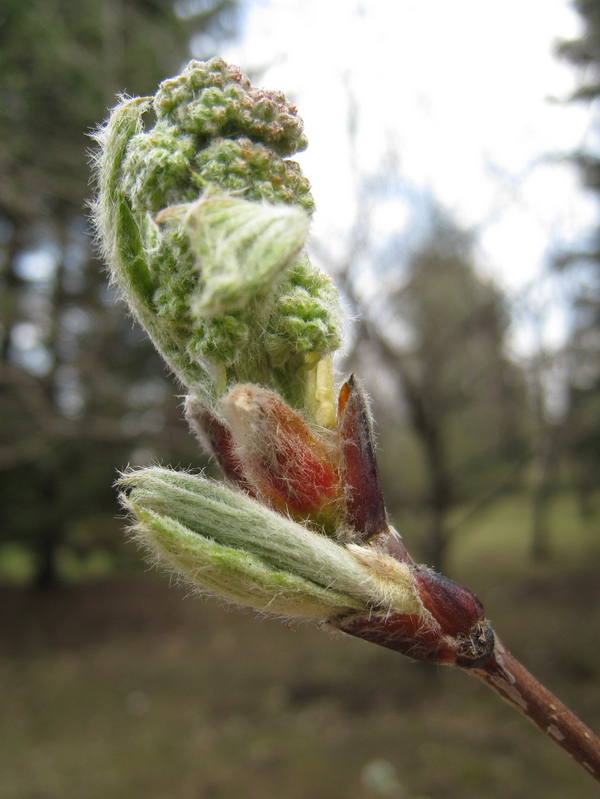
(223, 446)
(455, 608)
(218, 440)
(404, 633)
(460, 615)
(365, 508)
(457, 635)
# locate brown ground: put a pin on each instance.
(129, 688)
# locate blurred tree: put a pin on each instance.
(440, 334)
(80, 389)
(583, 424)
(61, 63)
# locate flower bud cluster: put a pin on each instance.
(202, 218)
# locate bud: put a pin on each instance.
(202, 216)
(292, 468)
(230, 545)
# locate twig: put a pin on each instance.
(503, 673)
(499, 670)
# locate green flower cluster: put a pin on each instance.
(202, 217)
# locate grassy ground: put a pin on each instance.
(129, 688)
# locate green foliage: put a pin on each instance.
(582, 429)
(81, 392)
(61, 64)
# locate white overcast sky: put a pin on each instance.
(461, 91)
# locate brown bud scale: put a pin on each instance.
(365, 508)
(453, 633)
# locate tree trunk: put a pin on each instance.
(46, 577)
(49, 539)
(440, 493)
(542, 493)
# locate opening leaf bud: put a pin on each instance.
(241, 248)
(233, 546)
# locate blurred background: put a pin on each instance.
(455, 162)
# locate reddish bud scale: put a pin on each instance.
(404, 633)
(223, 446)
(365, 508)
(364, 504)
(460, 616)
(455, 608)
(282, 457)
(459, 636)
(394, 546)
